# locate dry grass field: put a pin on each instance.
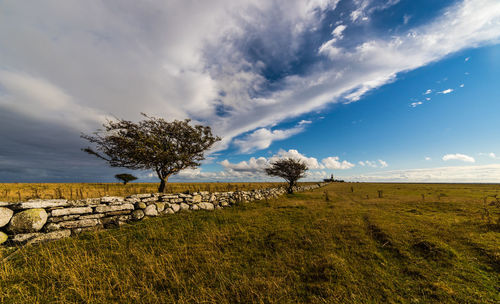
(24, 191)
(417, 243)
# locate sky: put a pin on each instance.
(367, 90)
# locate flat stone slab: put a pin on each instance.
(35, 204)
(79, 224)
(69, 211)
(104, 208)
(111, 199)
(37, 237)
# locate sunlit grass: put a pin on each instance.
(355, 248)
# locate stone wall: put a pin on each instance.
(43, 220)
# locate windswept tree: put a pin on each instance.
(288, 168)
(125, 178)
(152, 144)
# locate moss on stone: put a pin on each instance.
(3, 237)
(27, 221)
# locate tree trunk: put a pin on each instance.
(163, 182)
(290, 188)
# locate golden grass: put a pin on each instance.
(354, 248)
(24, 191)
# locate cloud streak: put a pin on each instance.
(460, 157)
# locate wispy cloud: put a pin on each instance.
(415, 104)
(460, 157)
(373, 164)
(490, 155)
(447, 91)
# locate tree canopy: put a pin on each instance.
(152, 144)
(125, 178)
(288, 168)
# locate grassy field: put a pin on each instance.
(24, 191)
(418, 243)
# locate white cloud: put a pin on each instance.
(263, 138)
(427, 158)
(462, 85)
(415, 104)
(428, 92)
(304, 122)
(383, 163)
(447, 91)
(459, 174)
(337, 32)
(311, 162)
(254, 168)
(490, 155)
(333, 162)
(466, 59)
(362, 163)
(428, 98)
(458, 156)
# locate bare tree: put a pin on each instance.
(152, 144)
(288, 168)
(125, 178)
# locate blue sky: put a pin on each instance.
(369, 90)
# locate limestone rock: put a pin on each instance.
(35, 204)
(3, 237)
(52, 227)
(111, 199)
(151, 210)
(30, 220)
(104, 208)
(168, 211)
(79, 224)
(150, 199)
(140, 205)
(91, 216)
(145, 195)
(51, 236)
(160, 206)
(195, 207)
(206, 206)
(137, 214)
(196, 199)
(68, 211)
(57, 219)
(23, 237)
(5, 216)
(184, 206)
(175, 207)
